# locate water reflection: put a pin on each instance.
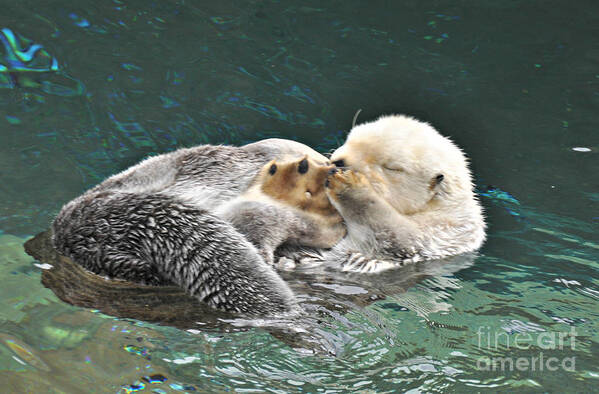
(22, 61)
(324, 294)
(22, 55)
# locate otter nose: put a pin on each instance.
(339, 163)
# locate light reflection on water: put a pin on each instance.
(515, 87)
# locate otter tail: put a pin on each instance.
(155, 239)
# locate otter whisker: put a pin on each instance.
(353, 123)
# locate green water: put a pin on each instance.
(514, 83)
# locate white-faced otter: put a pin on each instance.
(405, 193)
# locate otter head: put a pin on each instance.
(407, 162)
(299, 183)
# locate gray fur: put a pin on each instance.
(155, 223)
(269, 225)
(377, 236)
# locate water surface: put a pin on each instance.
(515, 84)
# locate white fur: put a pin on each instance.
(403, 205)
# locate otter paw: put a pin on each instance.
(340, 182)
(356, 262)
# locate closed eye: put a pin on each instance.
(394, 168)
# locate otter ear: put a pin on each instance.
(302, 167)
(436, 181)
(272, 169)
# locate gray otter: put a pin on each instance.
(157, 223)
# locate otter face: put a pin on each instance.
(407, 162)
(299, 183)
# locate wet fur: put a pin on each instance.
(157, 222)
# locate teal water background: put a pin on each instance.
(515, 84)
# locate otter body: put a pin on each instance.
(158, 222)
(209, 218)
(405, 193)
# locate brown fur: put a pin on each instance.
(287, 204)
(304, 191)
